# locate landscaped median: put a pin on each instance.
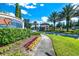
(65, 46)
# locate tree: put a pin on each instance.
(53, 17)
(50, 27)
(18, 11)
(59, 25)
(71, 24)
(27, 24)
(67, 13)
(63, 25)
(35, 25)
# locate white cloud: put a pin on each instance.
(12, 14)
(27, 6)
(75, 3)
(11, 4)
(30, 7)
(41, 4)
(63, 21)
(22, 18)
(76, 6)
(23, 11)
(23, 5)
(44, 18)
(34, 3)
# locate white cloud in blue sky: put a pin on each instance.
(11, 4)
(27, 6)
(30, 7)
(24, 11)
(24, 5)
(41, 4)
(34, 3)
(12, 14)
(44, 18)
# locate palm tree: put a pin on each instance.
(18, 11)
(35, 25)
(27, 23)
(59, 25)
(67, 13)
(53, 17)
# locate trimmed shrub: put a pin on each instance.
(73, 32)
(9, 35)
(35, 33)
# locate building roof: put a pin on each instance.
(44, 24)
(4, 15)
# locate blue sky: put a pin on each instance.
(33, 11)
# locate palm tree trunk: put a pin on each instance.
(67, 24)
(35, 27)
(54, 25)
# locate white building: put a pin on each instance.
(10, 21)
(44, 26)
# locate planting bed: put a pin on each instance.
(32, 43)
(12, 49)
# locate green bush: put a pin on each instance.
(9, 35)
(72, 32)
(35, 33)
(76, 32)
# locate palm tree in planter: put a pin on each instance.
(67, 13)
(53, 17)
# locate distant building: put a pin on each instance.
(44, 26)
(7, 21)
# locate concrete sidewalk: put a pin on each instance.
(44, 48)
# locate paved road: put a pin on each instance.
(64, 34)
(44, 48)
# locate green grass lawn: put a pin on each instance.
(65, 46)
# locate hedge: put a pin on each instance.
(35, 33)
(10, 35)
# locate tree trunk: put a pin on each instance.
(35, 27)
(67, 24)
(54, 25)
